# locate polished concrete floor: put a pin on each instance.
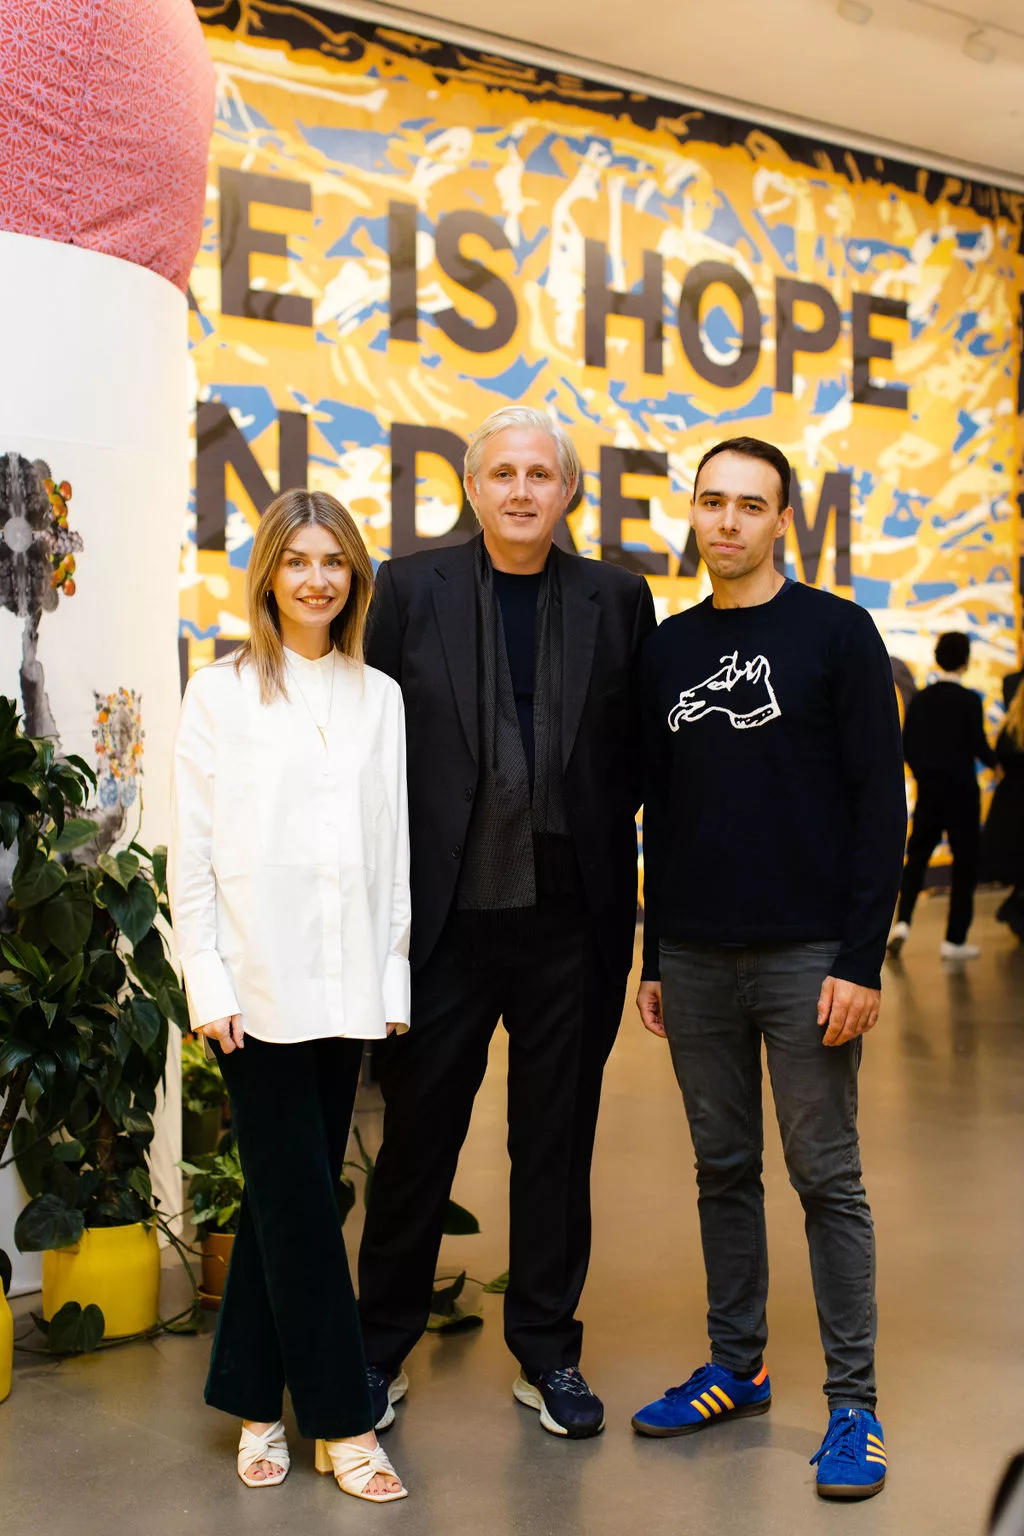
(120, 1442)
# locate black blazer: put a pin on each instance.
(422, 632)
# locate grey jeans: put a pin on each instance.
(719, 1003)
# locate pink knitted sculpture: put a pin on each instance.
(106, 109)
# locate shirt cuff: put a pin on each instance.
(208, 988)
(396, 991)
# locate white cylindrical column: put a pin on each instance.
(95, 389)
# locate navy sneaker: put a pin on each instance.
(567, 1405)
(385, 1391)
(851, 1462)
(711, 1395)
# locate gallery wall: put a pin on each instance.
(403, 234)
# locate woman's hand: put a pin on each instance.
(391, 1027)
(227, 1032)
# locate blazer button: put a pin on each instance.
(468, 794)
(456, 851)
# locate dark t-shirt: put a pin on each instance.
(775, 807)
(518, 598)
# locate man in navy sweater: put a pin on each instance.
(774, 827)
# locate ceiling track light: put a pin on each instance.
(978, 49)
(855, 11)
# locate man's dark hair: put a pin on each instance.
(754, 448)
(952, 651)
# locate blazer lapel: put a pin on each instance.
(581, 616)
(455, 610)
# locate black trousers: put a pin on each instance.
(944, 805)
(561, 1010)
(289, 1317)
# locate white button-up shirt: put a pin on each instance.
(289, 854)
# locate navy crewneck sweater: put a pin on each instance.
(775, 807)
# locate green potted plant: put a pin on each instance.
(203, 1099)
(87, 997)
(215, 1190)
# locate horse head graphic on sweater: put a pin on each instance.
(743, 692)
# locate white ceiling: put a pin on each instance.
(902, 77)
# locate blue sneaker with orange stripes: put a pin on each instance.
(711, 1395)
(851, 1462)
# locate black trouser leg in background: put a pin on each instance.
(963, 827)
(561, 1017)
(925, 836)
(288, 1317)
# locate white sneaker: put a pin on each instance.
(950, 951)
(899, 936)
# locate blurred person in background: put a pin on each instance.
(1002, 854)
(943, 742)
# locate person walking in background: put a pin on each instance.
(516, 660)
(774, 826)
(1002, 853)
(943, 741)
(289, 889)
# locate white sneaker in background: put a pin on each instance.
(950, 951)
(899, 936)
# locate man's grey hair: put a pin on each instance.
(570, 468)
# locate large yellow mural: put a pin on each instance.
(402, 235)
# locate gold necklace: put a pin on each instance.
(330, 702)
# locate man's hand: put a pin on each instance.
(648, 1001)
(228, 1032)
(847, 1010)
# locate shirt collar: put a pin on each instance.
(304, 667)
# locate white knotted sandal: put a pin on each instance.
(270, 1446)
(353, 1466)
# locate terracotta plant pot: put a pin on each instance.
(216, 1248)
(200, 1132)
(117, 1268)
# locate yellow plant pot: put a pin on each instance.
(117, 1268)
(6, 1346)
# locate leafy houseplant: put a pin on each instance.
(203, 1098)
(215, 1190)
(87, 998)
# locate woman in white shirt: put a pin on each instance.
(290, 894)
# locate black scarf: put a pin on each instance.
(507, 832)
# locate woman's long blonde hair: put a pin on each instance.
(1013, 725)
(291, 511)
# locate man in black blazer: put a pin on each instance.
(516, 662)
